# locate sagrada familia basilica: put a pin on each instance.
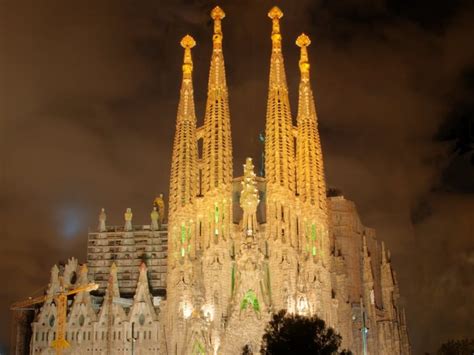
(206, 278)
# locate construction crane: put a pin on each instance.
(60, 343)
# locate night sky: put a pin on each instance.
(89, 91)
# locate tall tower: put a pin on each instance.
(313, 241)
(310, 182)
(181, 229)
(279, 143)
(214, 215)
(217, 144)
(280, 177)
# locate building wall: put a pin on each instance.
(360, 281)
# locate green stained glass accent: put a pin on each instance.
(313, 231)
(199, 348)
(313, 251)
(183, 233)
(232, 279)
(216, 213)
(183, 252)
(250, 299)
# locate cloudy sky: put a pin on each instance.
(88, 99)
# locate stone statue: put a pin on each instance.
(128, 215)
(154, 219)
(159, 203)
(102, 219)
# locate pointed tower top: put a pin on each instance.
(275, 14)
(217, 14)
(217, 141)
(303, 42)
(187, 43)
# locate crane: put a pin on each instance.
(60, 343)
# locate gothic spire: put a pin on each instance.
(311, 185)
(217, 143)
(279, 146)
(184, 159)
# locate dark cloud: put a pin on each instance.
(88, 101)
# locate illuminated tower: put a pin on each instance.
(217, 142)
(214, 215)
(280, 176)
(313, 241)
(279, 138)
(183, 189)
(310, 185)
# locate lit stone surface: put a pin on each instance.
(234, 250)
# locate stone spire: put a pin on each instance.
(279, 146)
(311, 185)
(217, 141)
(184, 159)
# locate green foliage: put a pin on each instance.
(294, 334)
(457, 347)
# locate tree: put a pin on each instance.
(247, 350)
(457, 347)
(294, 334)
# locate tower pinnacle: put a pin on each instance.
(276, 14)
(303, 42)
(184, 161)
(217, 14)
(310, 183)
(279, 141)
(217, 141)
(187, 43)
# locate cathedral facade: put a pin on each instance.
(233, 251)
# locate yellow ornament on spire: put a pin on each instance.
(217, 14)
(303, 42)
(187, 43)
(275, 14)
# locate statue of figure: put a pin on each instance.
(128, 215)
(102, 219)
(154, 219)
(159, 203)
